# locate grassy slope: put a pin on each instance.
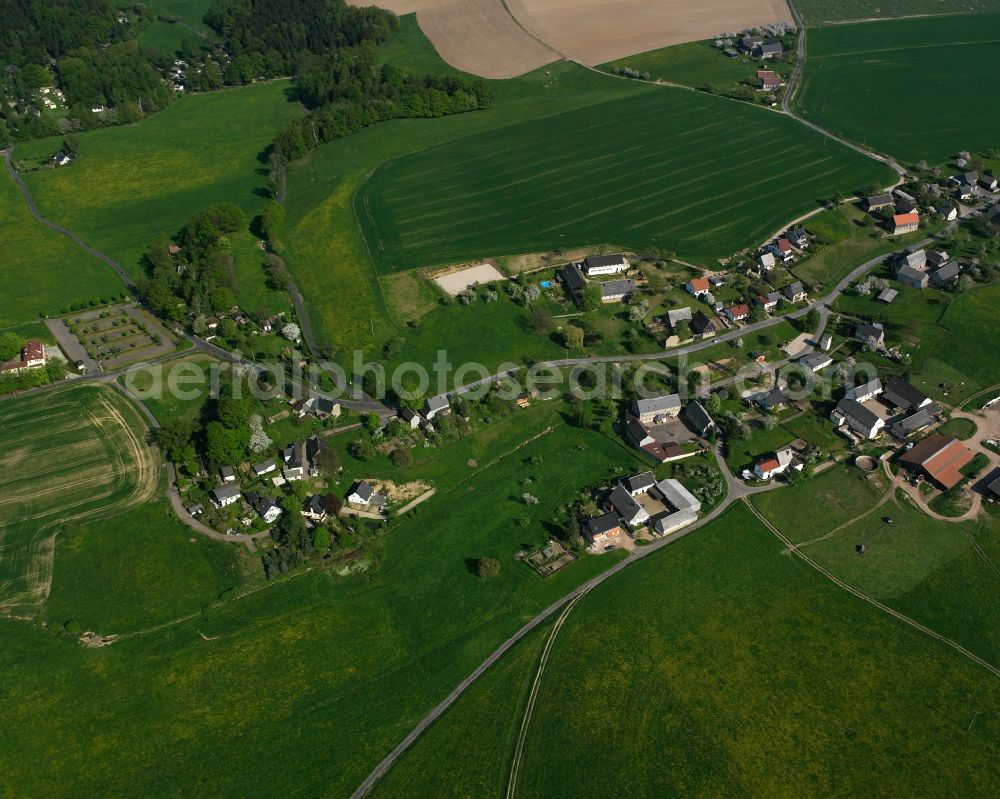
(665, 169)
(132, 183)
(815, 12)
(42, 271)
(693, 64)
(721, 667)
(914, 88)
(316, 678)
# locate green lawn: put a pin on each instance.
(664, 178)
(132, 183)
(693, 64)
(721, 666)
(913, 88)
(960, 428)
(349, 662)
(43, 271)
(816, 12)
(176, 389)
(142, 568)
(190, 11)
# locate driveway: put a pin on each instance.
(71, 345)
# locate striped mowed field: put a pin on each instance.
(675, 169)
(65, 455)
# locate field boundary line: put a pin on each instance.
(794, 549)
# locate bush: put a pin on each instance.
(487, 568)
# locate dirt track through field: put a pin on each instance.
(87, 461)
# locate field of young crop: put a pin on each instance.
(722, 662)
(916, 88)
(69, 457)
(692, 64)
(42, 270)
(678, 170)
(816, 12)
(319, 676)
(132, 183)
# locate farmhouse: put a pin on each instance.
(638, 433)
(702, 325)
(964, 192)
(225, 495)
(794, 292)
(937, 257)
(887, 295)
(737, 313)
(678, 315)
(751, 41)
(878, 201)
(769, 50)
(900, 394)
(917, 420)
(939, 459)
(767, 81)
(684, 507)
(857, 417)
(435, 405)
(602, 529)
(616, 290)
(871, 334)
(698, 286)
(32, 357)
(779, 463)
(632, 513)
(265, 467)
(320, 407)
(914, 278)
(768, 301)
(605, 264)
(864, 392)
(698, 419)
(657, 409)
(638, 483)
(815, 361)
(573, 280)
(916, 260)
(904, 223)
(946, 273)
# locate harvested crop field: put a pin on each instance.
(67, 455)
(699, 175)
(596, 31)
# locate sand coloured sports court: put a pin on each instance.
(494, 40)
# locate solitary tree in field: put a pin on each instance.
(487, 567)
(573, 336)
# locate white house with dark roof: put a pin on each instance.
(900, 394)
(915, 278)
(228, 474)
(657, 409)
(864, 392)
(858, 418)
(294, 460)
(945, 273)
(361, 494)
(815, 361)
(638, 483)
(435, 405)
(616, 290)
(794, 292)
(225, 495)
(605, 264)
(632, 513)
(872, 334)
(779, 463)
(265, 467)
(698, 419)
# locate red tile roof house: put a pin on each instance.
(698, 286)
(782, 249)
(767, 80)
(32, 356)
(735, 313)
(905, 223)
(940, 459)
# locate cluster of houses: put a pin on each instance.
(921, 268)
(783, 250)
(576, 276)
(32, 356)
(656, 425)
(867, 409)
(640, 502)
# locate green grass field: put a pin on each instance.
(132, 183)
(348, 662)
(693, 64)
(664, 169)
(722, 667)
(915, 89)
(816, 12)
(71, 457)
(43, 271)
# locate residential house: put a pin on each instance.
(815, 361)
(195, 510)
(782, 250)
(32, 357)
(657, 409)
(905, 206)
(265, 467)
(314, 446)
(779, 463)
(794, 292)
(678, 315)
(915, 421)
(966, 179)
(878, 201)
(936, 258)
(904, 223)
(946, 273)
(228, 474)
(988, 182)
(602, 529)
(769, 50)
(737, 313)
(871, 334)
(632, 513)
(605, 264)
(864, 392)
(295, 467)
(638, 433)
(826, 342)
(799, 238)
(698, 286)
(916, 260)
(313, 509)
(702, 326)
(900, 394)
(766, 261)
(767, 81)
(769, 302)
(751, 41)
(964, 193)
(914, 278)
(638, 483)
(857, 417)
(616, 290)
(698, 419)
(435, 405)
(718, 280)
(573, 280)
(225, 495)
(773, 400)
(268, 508)
(938, 458)
(887, 295)
(412, 418)
(949, 212)
(361, 494)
